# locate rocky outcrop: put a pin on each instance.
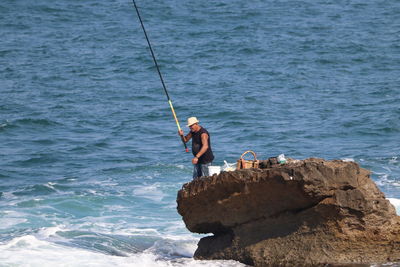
(304, 213)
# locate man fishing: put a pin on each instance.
(201, 147)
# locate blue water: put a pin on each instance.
(90, 160)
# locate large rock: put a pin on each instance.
(304, 213)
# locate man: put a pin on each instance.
(201, 147)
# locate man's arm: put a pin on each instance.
(204, 145)
(185, 138)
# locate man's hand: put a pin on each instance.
(185, 138)
(195, 160)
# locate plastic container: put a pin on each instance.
(281, 159)
(214, 170)
(228, 167)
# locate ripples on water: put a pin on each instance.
(90, 159)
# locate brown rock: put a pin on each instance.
(304, 213)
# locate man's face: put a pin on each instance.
(194, 127)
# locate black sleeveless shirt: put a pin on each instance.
(208, 156)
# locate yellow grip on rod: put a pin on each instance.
(173, 113)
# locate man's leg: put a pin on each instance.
(204, 169)
(196, 171)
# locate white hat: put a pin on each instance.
(191, 121)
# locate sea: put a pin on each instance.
(90, 158)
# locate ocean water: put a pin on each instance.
(90, 160)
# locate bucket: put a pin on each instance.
(214, 170)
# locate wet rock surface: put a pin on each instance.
(311, 212)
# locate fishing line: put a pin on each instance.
(159, 74)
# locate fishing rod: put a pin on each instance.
(159, 74)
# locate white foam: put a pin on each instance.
(151, 192)
(172, 248)
(8, 196)
(214, 263)
(396, 204)
(176, 227)
(3, 125)
(383, 179)
(30, 251)
(10, 218)
(180, 166)
(104, 183)
(393, 160)
(51, 185)
(9, 222)
(137, 232)
(114, 208)
(97, 225)
(46, 232)
(348, 160)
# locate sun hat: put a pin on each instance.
(191, 121)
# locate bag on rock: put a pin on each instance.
(246, 164)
